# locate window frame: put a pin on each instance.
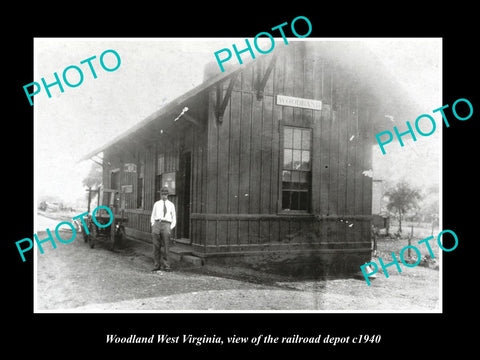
(282, 148)
(115, 172)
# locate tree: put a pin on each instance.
(429, 205)
(402, 198)
(94, 177)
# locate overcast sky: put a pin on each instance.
(153, 71)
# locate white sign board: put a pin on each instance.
(130, 167)
(127, 189)
(299, 102)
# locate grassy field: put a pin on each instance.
(387, 245)
(420, 229)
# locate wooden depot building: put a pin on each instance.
(269, 163)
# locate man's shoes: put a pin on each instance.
(157, 268)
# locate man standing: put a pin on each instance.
(163, 220)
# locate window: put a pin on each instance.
(140, 187)
(115, 179)
(168, 180)
(160, 164)
(296, 169)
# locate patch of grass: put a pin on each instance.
(385, 247)
(59, 215)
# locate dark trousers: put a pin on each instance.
(161, 243)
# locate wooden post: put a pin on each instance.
(98, 197)
(89, 198)
(410, 242)
(112, 226)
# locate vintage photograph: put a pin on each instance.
(302, 179)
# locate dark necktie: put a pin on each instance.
(164, 209)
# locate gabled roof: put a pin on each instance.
(349, 54)
(170, 108)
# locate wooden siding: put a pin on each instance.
(244, 154)
(172, 143)
(235, 185)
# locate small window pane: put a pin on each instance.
(297, 159)
(293, 184)
(286, 180)
(297, 139)
(287, 134)
(305, 165)
(294, 204)
(306, 139)
(300, 180)
(303, 177)
(286, 200)
(303, 200)
(287, 159)
(295, 176)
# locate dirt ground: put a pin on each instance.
(75, 278)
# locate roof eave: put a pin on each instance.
(169, 108)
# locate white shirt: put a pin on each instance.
(157, 213)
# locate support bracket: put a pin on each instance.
(261, 82)
(221, 104)
(101, 162)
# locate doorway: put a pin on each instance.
(185, 171)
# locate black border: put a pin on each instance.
(407, 334)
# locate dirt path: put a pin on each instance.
(74, 278)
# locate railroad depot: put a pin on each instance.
(268, 163)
